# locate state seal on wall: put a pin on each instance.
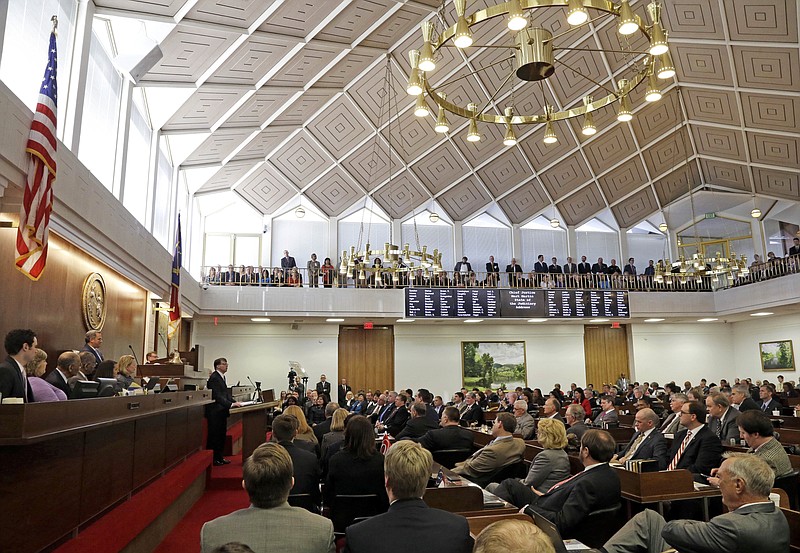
(93, 302)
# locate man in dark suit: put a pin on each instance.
(599, 268)
(570, 268)
(650, 270)
(630, 268)
(325, 426)
(740, 398)
(382, 414)
(492, 272)
(342, 391)
(463, 266)
(554, 267)
(287, 263)
(324, 388)
(68, 365)
(752, 522)
(570, 502)
(449, 436)
(93, 340)
(306, 466)
(395, 421)
(418, 425)
(552, 410)
(473, 414)
(438, 406)
(583, 267)
(698, 452)
(795, 249)
(20, 346)
(722, 421)
(768, 403)
(407, 467)
(218, 412)
(647, 442)
(425, 397)
(613, 268)
(514, 272)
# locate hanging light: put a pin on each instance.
(755, 213)
(516, 17)
(576, 13)
(433, 217)
(414, 87)
(300, 212)
(510, 139)
(658, 36)
(624, 113)
(550, 136)
(442, 125)
(555, 223)
(472, 134)
(666, 69)
(463, 35)
(627, 20)
(588, 128)
(426, 59)
(663, 227)
(421, 107)
(653, 93)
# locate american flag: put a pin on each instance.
(34, 218)
(175, 292)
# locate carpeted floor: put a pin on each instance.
(224, 494)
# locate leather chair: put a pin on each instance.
(449, 457)
(304, 501)
(347, 508)
(514, 470)
(599, 526)
(788, 483)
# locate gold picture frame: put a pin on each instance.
(493, 364)
(776, 356)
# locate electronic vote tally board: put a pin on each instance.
(455, 303)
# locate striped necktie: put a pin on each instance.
(632, 451)
(559, 484)
(678, 455)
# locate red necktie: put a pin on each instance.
(678, 455)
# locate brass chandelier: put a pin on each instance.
(534, 61)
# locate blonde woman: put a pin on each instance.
(304, 431)
(42, 390)
(549, 467)
(126, 370)
(336, 434)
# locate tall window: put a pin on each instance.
(137, 166)
(238, 249)
(25, 41)
(437, 235)
(539, 238)
(484, 236)
(596, 239)
(98, 143)
(162, 211)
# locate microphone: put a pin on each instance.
(134, 354)
(257, 388)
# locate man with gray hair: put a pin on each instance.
(672, 425)
(647, 442)
(752, 522)
(502, 451)
(740, 398)
(407, 467)
(87, 370)
(525, 423)
(93, 340)
(722, 420)
(574, 419)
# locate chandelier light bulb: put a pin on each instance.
(550, 136)
(627, 20)
(576, 13)
(510, 139)
(414, 87)
(463, 35)
(588, 128)
(300, 212)
(421, 107)
(653, 93)
(516, 17)
(624, 113)
(433, 217)
(666, 69)
(426, 59)
(442, 125)
(473, 135)
(658, 40)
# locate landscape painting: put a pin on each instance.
(493, 365)
(777, 356)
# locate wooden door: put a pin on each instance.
(606, 353)
(366, 357)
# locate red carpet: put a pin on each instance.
(224, 494)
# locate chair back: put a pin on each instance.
(599, 526)
(348, 507)
(304, 501)
(788, 483)
(514, 470)
(449, 457)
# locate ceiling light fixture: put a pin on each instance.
(414, 87)
(588, 128)
(762, 314)
(628, 21)
(334, 320)
(576, 13)
(300, 212)
(598, 320)
(653, 320)
(260, 319)
(516, 17)
(405, 320)
(707, 320)
(473, 320)
(462, 37)
(663, 227)
(666, 69)
(537, 320)
(442, 124)
(426, 57)
(421, 107)
(510, 138)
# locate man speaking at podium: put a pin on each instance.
(218, 412)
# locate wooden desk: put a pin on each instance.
(79, 458)
(658, 487)
(478, 523)
(457, 495)
(793, 518)
(254, 425)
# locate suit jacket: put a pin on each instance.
(434, 529)
(473, 413)
(55, 379)
(322, 428)
(342, 395)
(630, 269)
(513, 268)
(492, 268)
(654, 447)
(610, 417)
(613, 270)
(558, 417)
(772, 405)
(288, 262)
(395, 422)
(306, 471)
(672, 425)
(384, 412)
(549, 467)
(599, 268)
(460, 265)
(98, 356)
(584, 268)
(747, 404)
(540, 267)
(579, 429)
(525, 426)
(554, 268)
(759, 527)
(702, 454)
(496, 455)
(258, 528)
(447, 437)
(570, 268)
(324, 388)
(415, 427)
(727, 428)
(347, 474)
(11, 382)
(649, 271)
(221, 396)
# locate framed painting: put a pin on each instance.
(776, 356)
(493, 365)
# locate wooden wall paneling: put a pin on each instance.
(351, 357)
(380, 358)
(149, 448)
(52, 305)
(107, 468)
(24, 471)
(175, 438)
(194, 430)
(606, 353)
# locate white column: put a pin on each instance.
(572, 244)
(76, 87)
(333, 241)
(123, 134)
(623, 246)
(516, 245)
(759, 240)
(458, 241)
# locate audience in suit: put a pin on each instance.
(268, 481)
(68, 365)
(503, 450)
(325, 426)
(752, 522)
(722, 419)
(397, 419)
(768, 403)
(323, 387)
(418, 425)
(740, 398)
(526, 426)
(574, 420)
(450, 436)
(306, 471)
(647, 442)
(551, 410)
(608, 415)
(93, 340)
(472, 414)
(380, 416)
(696, 449)
(407, 469)
(342, 392)
(568, 503)
(672, 424)
(548, 468)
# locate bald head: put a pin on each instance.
(69, 363)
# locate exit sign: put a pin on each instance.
(368, 326)
(711, 215)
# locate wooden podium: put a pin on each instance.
(189, 371)
(254, 425)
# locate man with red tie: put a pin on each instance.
(695, 449)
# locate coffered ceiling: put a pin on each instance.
(294, 99)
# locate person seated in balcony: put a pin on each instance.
(295, 278)
(249, 277)
(277, 277)
(213, 276)
(266, 278)
(441, 280)
(230, 277)
(473, 282)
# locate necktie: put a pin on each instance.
(559, 484)
(632, 451)
(764, 407)
(681, 449)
